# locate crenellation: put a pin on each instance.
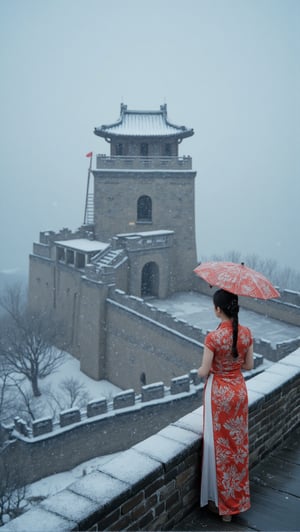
(21, 426)
(68, 417)
(153, 391)
(41, 426)
(195, 379)
(42, 250)
(124, 399)
(180, 384)
(153, 394)
(96, 407)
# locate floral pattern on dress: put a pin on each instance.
(229, 402)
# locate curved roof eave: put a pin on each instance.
(109, 134)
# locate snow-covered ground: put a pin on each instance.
(55, 395)
(95, 389)
(71, 369)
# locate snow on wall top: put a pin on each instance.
(83, 244)
(143, 124)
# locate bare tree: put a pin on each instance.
(73, 393)
(7, 392)
(25, 400)
(285, 278)
(12, 491)
(28, 339)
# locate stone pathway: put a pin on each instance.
(275, 496)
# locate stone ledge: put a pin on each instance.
(265, 385)
(142, 470)
(292, 360)
(164, 450)
(37, 520)
(72, 506)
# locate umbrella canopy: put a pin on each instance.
(237, 278)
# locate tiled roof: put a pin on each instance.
(143, 124)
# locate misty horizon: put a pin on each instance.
(229, 70)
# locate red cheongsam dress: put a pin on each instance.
(225, 478)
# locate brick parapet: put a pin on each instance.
(163, 318)
(155, 483)
(187, 387)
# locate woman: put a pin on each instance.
(227, 350)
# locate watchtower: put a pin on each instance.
(144, 200)
(139, 239)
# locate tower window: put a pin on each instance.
(168, 150)
(144, 149)
(119, 149)
(144, 209)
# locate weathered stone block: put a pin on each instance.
(21, 426)
(258, 360)
(152, 391)
(180, 384)
(67, 417)
(124, 399)
(96, 407)
(41, 426)
(195, 377)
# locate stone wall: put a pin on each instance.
(137, 343)
(120, 337)
(47, 446)
(116, 194)
(155, 483)
(138, 335)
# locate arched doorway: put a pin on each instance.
(150, 280)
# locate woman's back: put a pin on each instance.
(220, 343)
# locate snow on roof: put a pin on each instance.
(83, 244)
(143, 124)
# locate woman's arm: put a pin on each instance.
(249, 362)
(207, 359)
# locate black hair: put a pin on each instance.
(229, 304)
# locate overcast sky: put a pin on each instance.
(227, 68)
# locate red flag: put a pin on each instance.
(90, 154)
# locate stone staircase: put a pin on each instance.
(111, 258)
(105, 263)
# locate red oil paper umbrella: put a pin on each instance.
(237, 278)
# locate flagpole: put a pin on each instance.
(87, 188)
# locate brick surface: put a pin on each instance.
(111, 518)
(156, 485)
(172, 500)
(131, 503)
